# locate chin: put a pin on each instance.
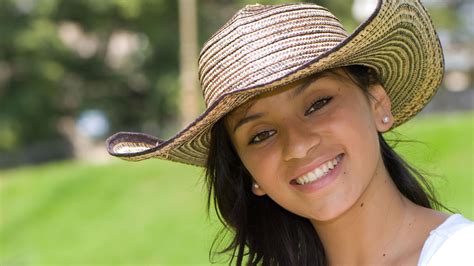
(332, 210)
(326, 215)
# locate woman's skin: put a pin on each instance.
(359, 214)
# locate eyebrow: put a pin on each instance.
(310, 80)
(247, 119)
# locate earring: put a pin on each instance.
(256, 186)
(385, 119)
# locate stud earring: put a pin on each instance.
(256, 186)
(385, 119)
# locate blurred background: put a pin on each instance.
(73, 72)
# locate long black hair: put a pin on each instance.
(265, 233)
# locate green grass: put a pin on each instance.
(442, 147)
(153, 212)
(124, 213)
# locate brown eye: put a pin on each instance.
(261, 136)
(318, 104)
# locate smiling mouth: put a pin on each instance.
(319, 172)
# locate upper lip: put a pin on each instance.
(313, 165)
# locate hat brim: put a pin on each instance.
(398, 41)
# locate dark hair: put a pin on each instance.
(264, 231)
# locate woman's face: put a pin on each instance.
(312, 146)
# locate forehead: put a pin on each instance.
(242, 110)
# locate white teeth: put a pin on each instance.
(326, 168)
(330, 165)
(306, 179)
(318, 172)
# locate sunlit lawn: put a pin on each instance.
(153, 212)
(443, 148)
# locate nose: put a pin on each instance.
(300, 140)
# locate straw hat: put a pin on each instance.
(264, 47)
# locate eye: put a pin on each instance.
(261, 136)
(318, 104)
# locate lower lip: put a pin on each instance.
(323, 181)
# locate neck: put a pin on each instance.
(368, 231)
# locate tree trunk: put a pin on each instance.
(189, 97)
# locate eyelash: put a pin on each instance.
(261, 134)
(321, 102)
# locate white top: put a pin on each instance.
(451, 243)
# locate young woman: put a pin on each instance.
(296, 163)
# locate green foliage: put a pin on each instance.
(445, 18)
(56, 60)
(153, 212)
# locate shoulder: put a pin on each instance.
(450, 243)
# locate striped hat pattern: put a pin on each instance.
(263, 47)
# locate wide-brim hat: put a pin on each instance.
(265, 47)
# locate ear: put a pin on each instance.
(381, 107)
(257, 190)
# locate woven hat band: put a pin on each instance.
(261, 44)
(265, 47)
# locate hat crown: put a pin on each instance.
(262, 43)
(264, 47)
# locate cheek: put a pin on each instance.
(360, 138)
(262, 166)
(352, 129)
(354, 126)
